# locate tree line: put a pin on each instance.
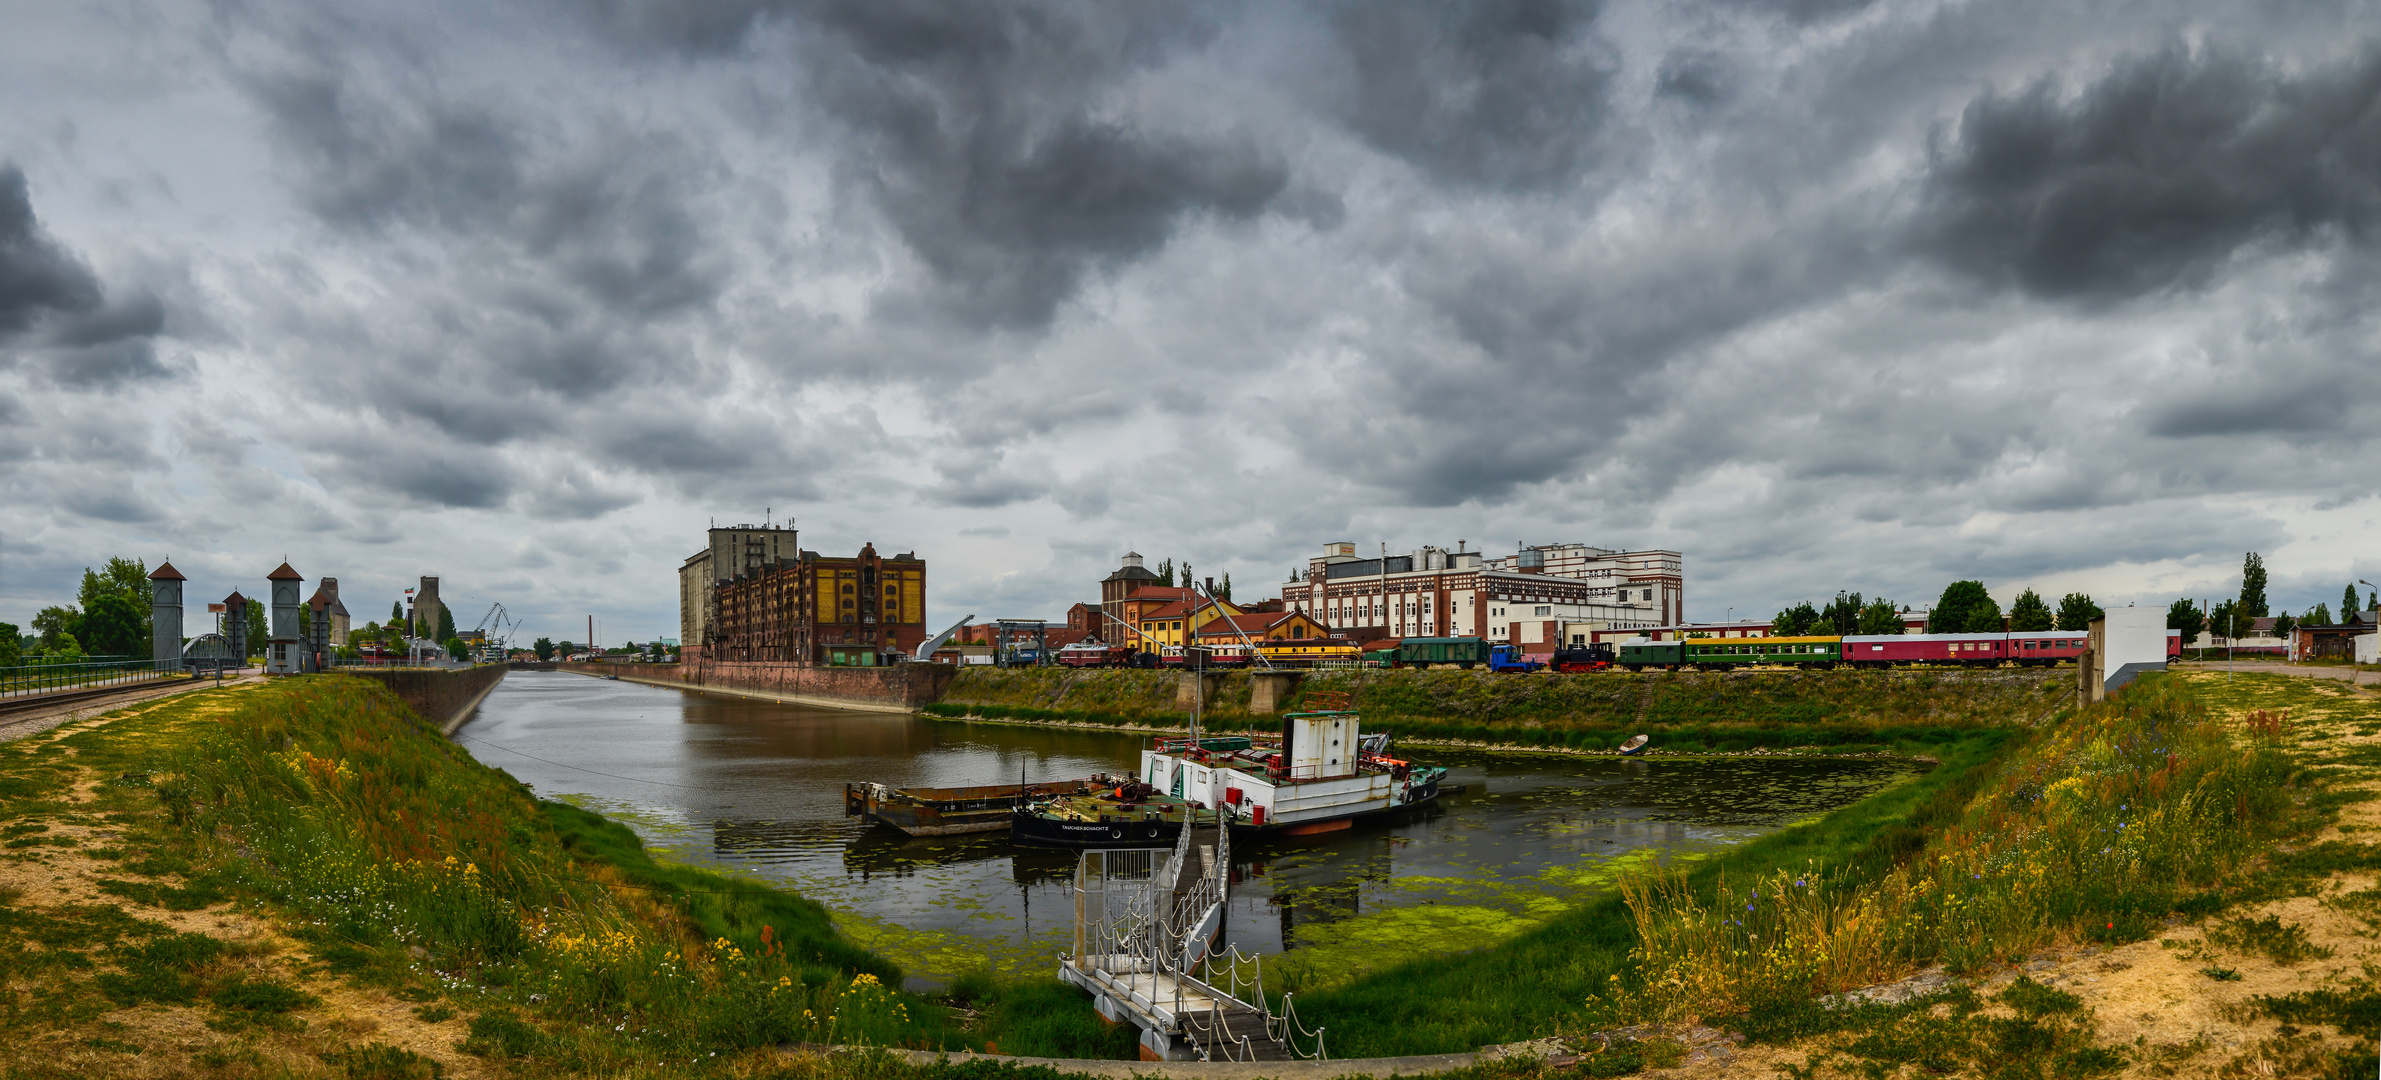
(111, 616)
(2237, 616)
(1966, 608)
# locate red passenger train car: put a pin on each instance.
(2040, 648)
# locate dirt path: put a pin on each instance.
(2340, 672)
(33, 721)
(2184, 1003)
(87, 854)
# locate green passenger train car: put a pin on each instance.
(1422, 652)
(1721, 654)
(1639, 655)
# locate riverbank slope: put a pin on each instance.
(2174, 882)
(302, 878)
(1846, 711)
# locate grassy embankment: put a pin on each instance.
(1835, 711)
(304, 879)
(2158, 810)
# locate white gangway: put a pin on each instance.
(1146, 923)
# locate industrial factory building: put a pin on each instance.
(753, 594)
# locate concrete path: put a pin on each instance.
(33, 721)
(2340, 672)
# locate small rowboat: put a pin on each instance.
(1635, 744)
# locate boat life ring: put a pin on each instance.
(1115, 834)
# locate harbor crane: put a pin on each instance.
(926, 651)
(504, 627)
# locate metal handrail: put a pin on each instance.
(53, 675)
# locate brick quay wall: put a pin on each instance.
(900, 688)
(444, 696)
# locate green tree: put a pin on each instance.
(1188, 582)
(54, 622)
(2228, 620)
(1795, 621)
(257, 630)
(112, 626)
(1224, 591)
(544, 647)
(2185, 616)
(2283, 624)
(396, 613)
(1165, 573)
(1879, 617)
(454, 648)
(128, 581)
(2028, 614)
(1965, 608)
(12, 651)
(2076, 612)
(446, 622)
(2252, 586)
(2319, 615)
(1841, 616)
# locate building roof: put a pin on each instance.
(165, 572)
(1179, 609)
(1168, 592)
(234, 598)
(1131, 573)
(284, 573)
(1253, 623)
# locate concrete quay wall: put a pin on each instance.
(444, 696)
(901, 688)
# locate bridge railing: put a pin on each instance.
(53, 675)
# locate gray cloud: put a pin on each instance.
(53, 308)
(37, 277)
(2154, 174)
(987, 135)
(1499, 93)
(1867, 294)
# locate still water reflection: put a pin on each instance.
(757, 787)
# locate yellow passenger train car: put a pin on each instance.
(1305, 652)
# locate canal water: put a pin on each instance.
(756, 788)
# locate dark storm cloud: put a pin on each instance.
(603, 210)
(1503, 93)
(1697, 76)
(108, 344)
(2291, 407)
(1800, 12)
(2155, 174)
(984, 132)
(693, 26)
(53, 309)
(37, 277)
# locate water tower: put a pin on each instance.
(165, 616)
(282, 650)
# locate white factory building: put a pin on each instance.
(1538, 596)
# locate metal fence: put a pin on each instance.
(88, 673)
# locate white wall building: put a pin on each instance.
(1654, 578)
(1434, 592)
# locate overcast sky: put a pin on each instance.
(1825, 294)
